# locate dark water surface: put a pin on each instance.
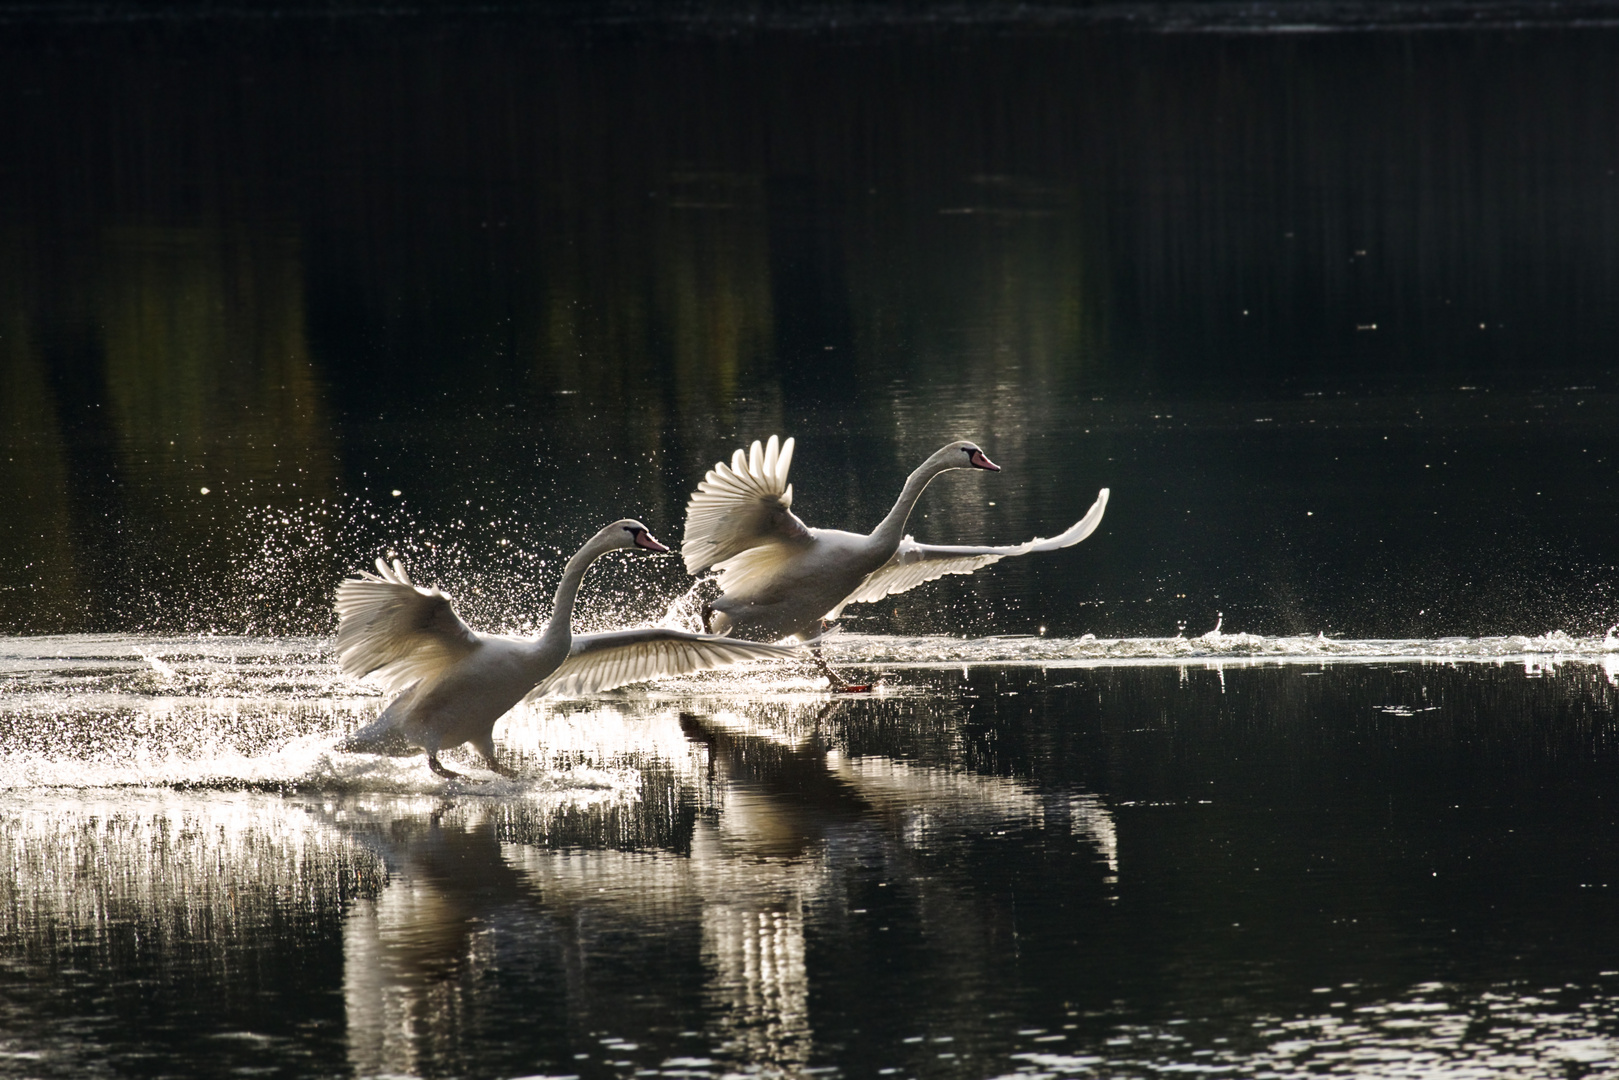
(1402, 867)
(537, 276)
(1333, 314)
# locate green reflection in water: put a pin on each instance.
(991, 317)
(40, 582)
(207, 366)
(200, 426)
(683, 286)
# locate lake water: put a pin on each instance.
(1305, 762)
(1223, 855)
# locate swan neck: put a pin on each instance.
(891, 529)
(561, 625)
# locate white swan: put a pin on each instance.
(779, 577)
(458, 682)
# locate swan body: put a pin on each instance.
(780, 578)
(457, 682)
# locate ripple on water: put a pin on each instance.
(1432, 1030)
(105, 711)
(898, 651)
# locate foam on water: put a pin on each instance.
(111, 711)
(899, 652)
(116, 711)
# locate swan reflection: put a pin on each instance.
(755, 819)
(644, 849)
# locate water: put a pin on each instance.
(1304, 763)
(1227, 857)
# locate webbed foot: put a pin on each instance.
(837, 683)
(438, 767)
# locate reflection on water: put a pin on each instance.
(90, 866)
(532, 277)
(1048, 868)
(203, 393)
(149, 925)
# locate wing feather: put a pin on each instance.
(395, 631)
(897, 576)
(916, 563)
(599, 662)
(741, 505)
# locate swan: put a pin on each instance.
(780, 578)
(458, 682)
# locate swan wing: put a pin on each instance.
(911, 565)
(397, 631)
(915, 563)
(598, 662)
(742, 505)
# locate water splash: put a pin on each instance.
(109, 711)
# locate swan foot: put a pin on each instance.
(838, 684)
(438, 767)
(708, 617)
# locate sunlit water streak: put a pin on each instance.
(1433, 1031)
(120, 711)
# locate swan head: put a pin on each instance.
(630, 533)
(964, 454)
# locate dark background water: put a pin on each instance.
(537, 272)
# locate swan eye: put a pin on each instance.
(977, 459)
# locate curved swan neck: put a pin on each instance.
(891, 529)
(561, 624)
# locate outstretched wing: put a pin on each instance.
(598, 662)
(740, 506)
(396, 631)
(915, 563)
